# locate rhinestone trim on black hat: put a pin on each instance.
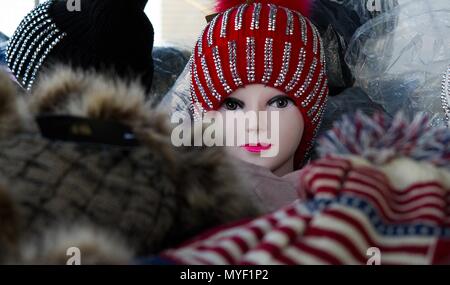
(31, 43)
(445, 96)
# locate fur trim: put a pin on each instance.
(60, 246)
(9, 226)
(67, 92)
(13, 117)
(210, 191)
(198, 186)
(64, 91)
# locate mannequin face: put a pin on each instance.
(265, 102)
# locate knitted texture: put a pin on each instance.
(113, 36)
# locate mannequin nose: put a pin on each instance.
(252, 125)
(257, 122)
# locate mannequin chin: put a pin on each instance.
(259, 99)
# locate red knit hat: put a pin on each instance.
(267, 42)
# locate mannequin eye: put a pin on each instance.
(232, 104)
(281, 101)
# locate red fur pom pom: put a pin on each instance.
(302, 6)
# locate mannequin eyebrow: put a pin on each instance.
(237, 101)
(281, 96)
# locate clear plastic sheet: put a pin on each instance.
(169, 63)
(177, 100)
(347, 16)
(337, 21)
(402, 68)
(348, 102)
(3, 44)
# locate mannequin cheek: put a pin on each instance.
(291, 130)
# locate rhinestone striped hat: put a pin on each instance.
(267, 42)
(445, 96)
(111, 36)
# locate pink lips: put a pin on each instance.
(256, 148)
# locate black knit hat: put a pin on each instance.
(112, 36)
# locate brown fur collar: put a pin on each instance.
(13, 111)
(207, 192)
(64, 91)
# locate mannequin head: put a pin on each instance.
(263, 56)
(266, 100)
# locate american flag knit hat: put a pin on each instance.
(269, 42)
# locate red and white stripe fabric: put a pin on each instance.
(351, 207)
